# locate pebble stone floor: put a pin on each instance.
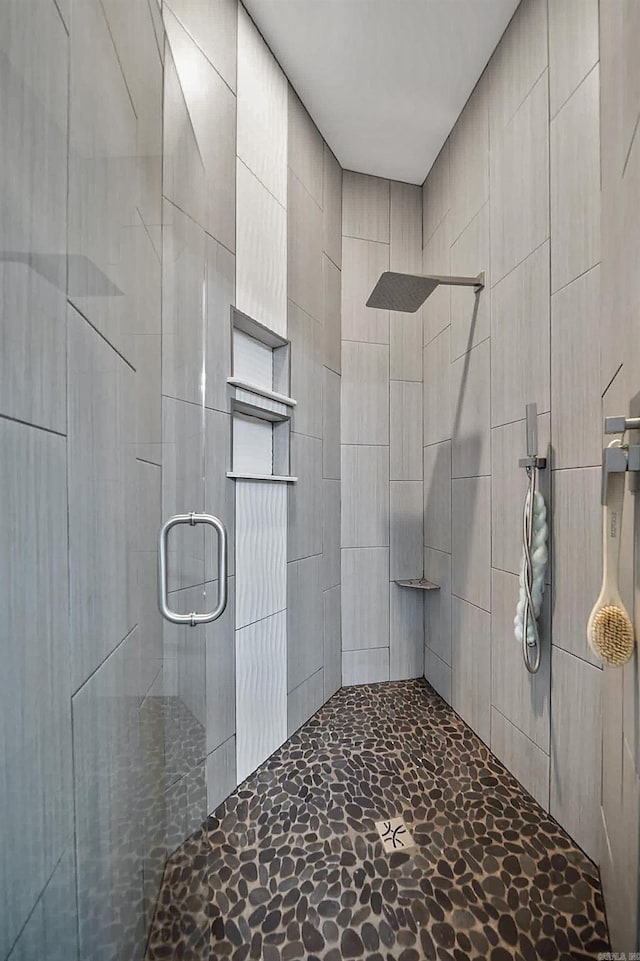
(292, 865)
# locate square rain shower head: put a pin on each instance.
(408, 292)
(405, 292)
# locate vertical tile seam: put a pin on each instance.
(74, 798)
(550, 367)
(389, 439)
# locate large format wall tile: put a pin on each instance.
(520, 340)
(332, 641)
(435, 194)
(365, 667)
(304, 620)
(365, 599)
(577, 555)
(213, 26)
(405, 451)
(576, 333)
(261, 252)
(365, 207)
(211, 106)
(102, 180)
(509, 489)
(140, 54)
(575, 183)
(405, 529)
(470, 308)
(469, 159)
(471, 540)
(183, 174)
(332, 207)
(470, 384)
(33, 77)
(405, 227)
(331, 313)
(405, 350)
(183, 489)
(436, 417)
(148, 617)
(437, 604)
(519, 196)
(438, 674)
(261, 551)
(305, 335)
(618, 861)
(331, 392)
(183, 276)
(362, 263)
(261, 691)
(518, 61)
(576, 749)
(304, 701)
(436, 259)
(304, 249)
(146, 324)
(132, 30)
(521, 756)
(184, 680)
(364, 416)
(406, 633)
(365, 496)
(35, 682)
(330, 533)
(573, 47)
(221, 774)
(220, 656)
(521, 697)
(305, 497)
(306, 154)
(101, 496)
(262, 109)
(471, 660)
(437, 496)
(220, 288)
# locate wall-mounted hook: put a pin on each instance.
(626, 457)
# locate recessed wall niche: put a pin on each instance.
(260, 404)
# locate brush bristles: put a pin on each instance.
(612, 635)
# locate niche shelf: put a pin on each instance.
(260, 402)
(419, 583)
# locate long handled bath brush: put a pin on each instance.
(609, 631)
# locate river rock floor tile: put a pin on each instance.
(292, 866)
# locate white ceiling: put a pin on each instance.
(384, 80)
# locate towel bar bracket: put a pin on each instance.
(626, 457)
(539, 463)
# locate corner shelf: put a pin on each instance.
(419, 583)
(285, 478)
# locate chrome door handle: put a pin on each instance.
(163, 584)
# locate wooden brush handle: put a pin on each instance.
(612, 535)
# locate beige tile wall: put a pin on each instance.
(381, 435)
(314, 323)
(619, 351)
(516, 191)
